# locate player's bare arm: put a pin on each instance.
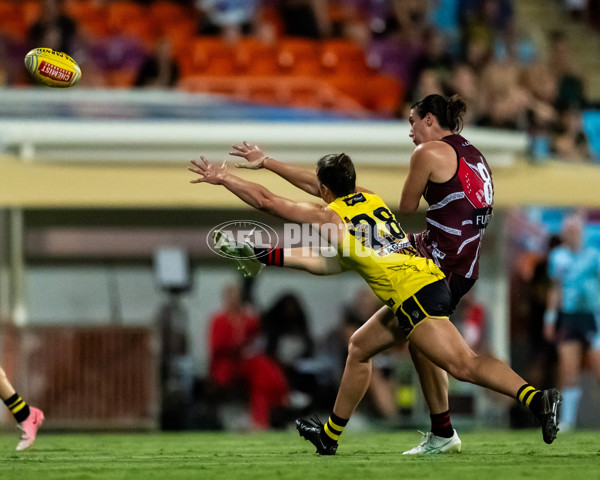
(302, 178)
(261, 198)
(435, 161)
(319, 261)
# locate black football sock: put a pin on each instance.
(530, 397)
(272, 257)
(441, 426)
(333, 429)
(17, 407)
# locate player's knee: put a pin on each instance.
(355, 350)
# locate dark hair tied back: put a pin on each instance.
(448, 111)
(336, 171)
(455, 110)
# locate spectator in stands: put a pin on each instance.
(570, 141)
(504, 100)
(434, 56)
(576, 9)
(570, 76)
(237, 359)
(290, 343)
(489, 24)
(465, 83)
(159, 69)
(229, 18)
(444, 16)
(54, 28)
(395, 53)
(305, 18)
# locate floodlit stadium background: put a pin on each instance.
(94, 188)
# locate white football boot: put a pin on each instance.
(241, 254)
(432, 444)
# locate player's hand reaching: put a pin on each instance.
(209, 172)
(252, 153)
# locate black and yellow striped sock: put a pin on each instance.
(530, 397)
(17, 407)
(333, 429)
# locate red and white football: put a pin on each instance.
(52, 68)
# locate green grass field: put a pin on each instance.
(517, 454)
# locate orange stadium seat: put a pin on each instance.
(91, 17)
(180, 34)
(257, 58)
(124, 78)
(209, 56)
(388, 94)
(12, 20)
(266, 92)
(377, 93)
(122, 12)
(343, 56)
(164, 11)
(299, 56)
(304, 93)
(142, 29)
(31, 10)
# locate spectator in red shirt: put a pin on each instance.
(237, 359)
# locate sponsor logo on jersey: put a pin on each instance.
(354, 199)
(481, 217)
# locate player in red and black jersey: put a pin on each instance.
(456, 181)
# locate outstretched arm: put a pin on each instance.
(302, 178)
(318, 261)
(260, 197)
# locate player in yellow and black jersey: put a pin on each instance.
(369, 241)
(374, 246)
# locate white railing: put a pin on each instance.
(154, 126)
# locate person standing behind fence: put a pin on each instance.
(572, 313)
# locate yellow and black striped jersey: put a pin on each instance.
(375, 246)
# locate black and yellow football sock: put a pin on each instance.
(530, 397)
(17, 407)
(272, 257)
(441, 426)
(333, 429)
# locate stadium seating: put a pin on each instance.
(299, 56)
(12, 21)
(335, 66)
(343, 57)
(254, 57)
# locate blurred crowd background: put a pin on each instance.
(527, 65)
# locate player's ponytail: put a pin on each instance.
(455, 110)
(448, 111)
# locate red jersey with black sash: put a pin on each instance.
(458, 213)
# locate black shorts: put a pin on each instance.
(579, 327)
(459, 286)
(433, 300)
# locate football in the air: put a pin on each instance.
(52, 68)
